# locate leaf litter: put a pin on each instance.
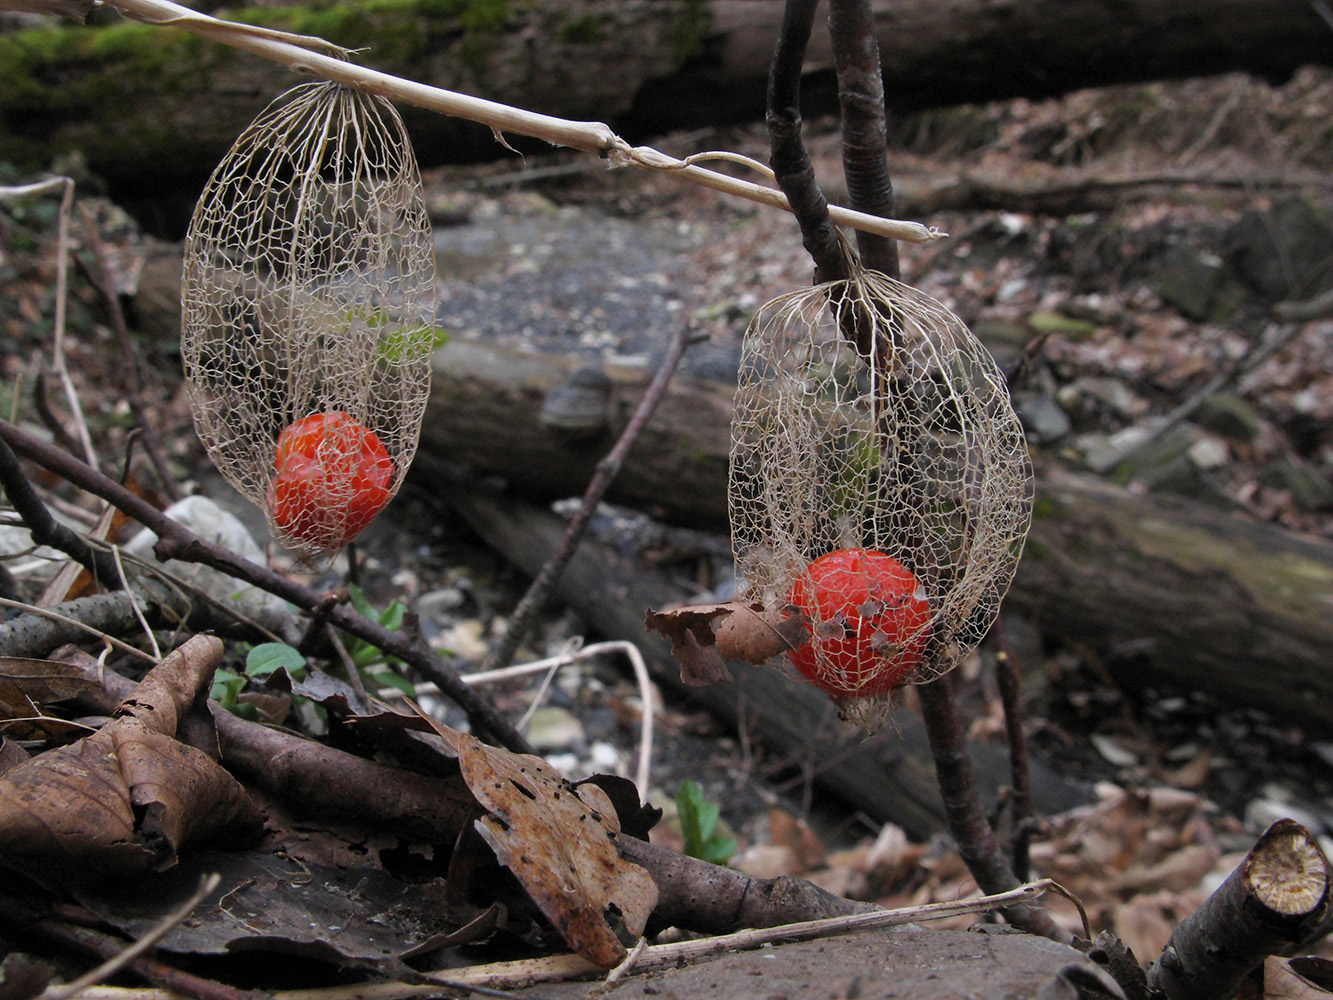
(1115, 849)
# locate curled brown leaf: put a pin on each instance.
(705, 636)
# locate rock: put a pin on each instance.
(1310, 490)
(1006, 341)
(209, 521)
(1208, 453)
(1067, 326)
(1260, 814)
(1043, 420)
(1091, 397)
(1189, 279)
(1282, 253)
(1228, 415)
(552, 727)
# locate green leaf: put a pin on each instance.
(227, 684)
(270, 656)
(361, 604)
(698, 826)
(392, 617)
(387, 678)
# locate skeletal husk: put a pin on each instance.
(309, 288)
(869, 416)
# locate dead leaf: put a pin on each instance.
(40, 681)
(127, 797)
(26, 685)
(1297, 978)
(274, 902)
(22, 976)
(73, 580)
(11, 755)
(560, 843)
(704, 636)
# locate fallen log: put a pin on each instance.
(1164, 589)
(132, 98)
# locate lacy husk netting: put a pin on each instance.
(883, 491)
(307, 314)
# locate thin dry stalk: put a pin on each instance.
(111, 966)
(565, 967)
(592, 137)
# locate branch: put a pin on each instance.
(1267, 906)
(176, 542)
(1006, 675)
(971, 830)
(865, 162)
(693, 894)
(788, 157)
(45, 529)
(296, 53)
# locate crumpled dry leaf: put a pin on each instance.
(26, 685)
(559, 841)
(704, 636)
(357, 916)
(127, 797)
(1297, 978)
(1137, 859)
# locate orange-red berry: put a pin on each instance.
(869, 621)
(331, 477)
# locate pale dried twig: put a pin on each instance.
(591, 137)
(566, 967)
(113, 965)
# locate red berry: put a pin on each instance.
(868, 620)
(331, 477)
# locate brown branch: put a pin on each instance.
(45, 529)
(697, 896)
(1020, 802)
(1267, 906)
(177, 542)
(971, 830)
(101, 278)
(692, 894)
(788, 157)
(539, 591)
(155, 971)
(865, 161)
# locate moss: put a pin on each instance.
(1046, 508)
(685, 36)
(586, 30)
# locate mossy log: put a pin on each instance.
(155, 108)
(1165, 590)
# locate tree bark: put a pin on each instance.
(1166, 589)
(155, 99)
(1267, 906)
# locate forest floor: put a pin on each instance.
(1104, 243)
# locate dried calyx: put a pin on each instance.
(307, 313)
(870, 420)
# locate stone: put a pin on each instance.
(554, 728)
(1229, 415)
(1310, 490)
(1006, 340)
(1282, 252)
(1043, 420)
(209, 521)
(1208, 453)
(1188, 279)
